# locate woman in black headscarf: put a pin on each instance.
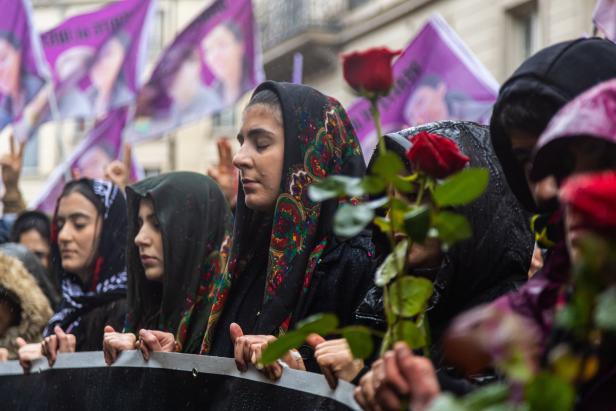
(285, 262)
(497, 256)
(493, 261)
(179, 226)
(88, 256)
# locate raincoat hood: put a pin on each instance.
(592, 114)
(556, 74)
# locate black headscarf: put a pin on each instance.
(108, 280)
(319, 141)
(195, 223)
(555, 74)
(497, 256)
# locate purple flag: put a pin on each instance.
(102, 145)
(604, 18)
(208, 67)
(23, 70)
(436, 78)
(96, 61)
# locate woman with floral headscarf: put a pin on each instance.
(285, 262)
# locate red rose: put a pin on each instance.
(435, 155)
(594, 196)
(370, 70)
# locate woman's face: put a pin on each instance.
(260, 156)
(79, 225)
(186, 81)
(223, 53)
(107, 66)
(39, 246)
(149, 241)
(10, 60)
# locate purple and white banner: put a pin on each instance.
(436, 78)
(23, 70)
(604, 18)
(96, 60)
(207, 68)
(90, 158)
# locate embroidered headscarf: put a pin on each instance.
(319, 141)
(108, 280)
(195, 223)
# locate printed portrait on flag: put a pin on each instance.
(22, 71)
(436, 78)
(96, 61)
(208, 67)
(101, 146)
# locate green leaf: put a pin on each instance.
(605, 312)
(461, 188)
(417, 223)
(350, 220)
(403, 184)
(388, 166)
(451, 227)
(487, 396)
(383, 224)
(373, 184)
(447, 402)
(279, 348)
(547, 392)
(409, 295)
(359, 339)
(389, 268)
(378, 203)
(335, 186)
(412, 334)
(322, 324)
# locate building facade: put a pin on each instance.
(500, 32)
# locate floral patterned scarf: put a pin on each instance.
(319, 141)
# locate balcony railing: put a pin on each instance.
(280, 20)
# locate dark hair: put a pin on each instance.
(31, 220)
(529, 113)
(84, 188)
(267, 98)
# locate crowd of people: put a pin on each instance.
(186, 263)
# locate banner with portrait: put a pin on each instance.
(102, 145)
(207, 68)
(23, 71)
(96, 61)
(437, 77)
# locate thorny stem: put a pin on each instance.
(374, 110)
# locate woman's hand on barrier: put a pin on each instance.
(155, 341)
(364, 393)
(114, 343)
(28, 353)
(4, 354)
(59, 342)
(249, 348)
(335, 359)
